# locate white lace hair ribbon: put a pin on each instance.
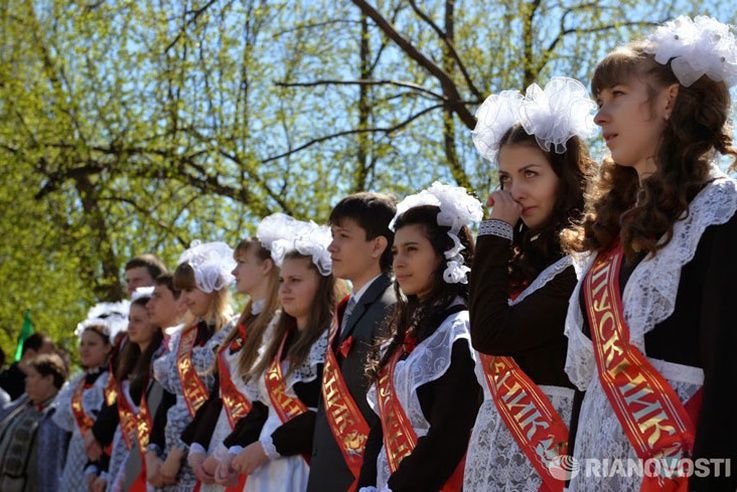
(497, 114)
(113, 316)
(702, 46)
(457, 208)
(553, 114)
(280, 234)
(275, 233)
(211, 263)
(561, 110)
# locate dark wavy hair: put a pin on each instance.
(423, 316)
(532, 250)
(134, 365)
(618, 205)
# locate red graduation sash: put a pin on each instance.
(193, 389)
(652, 416)
(235, 403)
(345, 419)
(286, 407)
(111, 387)
(143, 424)
(128, 418)
(400, 438)
(83, 419)
(143, 428)
(528, 414)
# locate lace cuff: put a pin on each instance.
(235, 450)
(496, 227)
(196, 448)
(156, 449)
(220, 453)
(269, 449)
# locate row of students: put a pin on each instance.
(479, 366)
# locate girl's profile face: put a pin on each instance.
(632, 120)
(197, 301)
(250, 271)
(140, 328)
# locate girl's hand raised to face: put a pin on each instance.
(505, 207)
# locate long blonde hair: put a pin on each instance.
(255, 324)
(219, 311)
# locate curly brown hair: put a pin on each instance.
(641, 213)
(532, 250)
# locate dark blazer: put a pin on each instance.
(328, 470)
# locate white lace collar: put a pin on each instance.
(548, 274)
(649, 296)
(257, 306)
(308, 370)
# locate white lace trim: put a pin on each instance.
(542, 279)
(600, 435)
(496, 227)
(494, 460)
(307, 371)
(427, 362)
(650, 294)
(252, 388)
(93, 400)
(267, 443)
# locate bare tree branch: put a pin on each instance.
(384, 130)
(449, 45)
(449, 87)
(195, 15)
(564, 31)
(315, 25)
(406, 85)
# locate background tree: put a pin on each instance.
(130, 127)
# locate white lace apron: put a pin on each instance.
(648, 298)
(494, 460)
(427, 362)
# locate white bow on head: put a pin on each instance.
(457, 208)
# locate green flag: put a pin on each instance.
(25, 332)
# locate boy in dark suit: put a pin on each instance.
(361, 253)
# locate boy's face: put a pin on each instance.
(163, 308)
(137, 277)
(352, 254)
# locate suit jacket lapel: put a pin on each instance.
(376, 289)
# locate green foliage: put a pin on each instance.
(130, 127)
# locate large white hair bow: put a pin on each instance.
(457, 208)
(553, 114)
(702, 46)
(280, 234)
(212, 264)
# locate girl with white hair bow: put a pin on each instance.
(659, 239)
(204, 277)
(424, 389)
(286, 377)
(521, 280)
